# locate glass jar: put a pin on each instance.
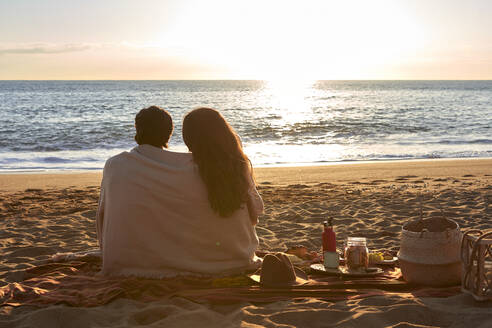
(356, 253)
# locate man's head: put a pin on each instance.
(154, 127)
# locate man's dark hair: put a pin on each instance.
(154, 127)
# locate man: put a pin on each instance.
(154, 126)
(154, 218)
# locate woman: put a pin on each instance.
(222, 164)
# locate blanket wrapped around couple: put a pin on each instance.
(154, 219)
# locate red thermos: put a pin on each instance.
(329, 237)
(330, 255)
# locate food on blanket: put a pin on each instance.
(315, 257)
(298, 250)
(376, 257)
(356, 253)
(387, 256)
(303, 253)
(294, 259)
(381, 258)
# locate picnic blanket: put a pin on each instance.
(76, 282)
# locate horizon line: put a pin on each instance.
(63, 80)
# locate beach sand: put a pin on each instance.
(42, 214)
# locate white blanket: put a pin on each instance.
(154, 219)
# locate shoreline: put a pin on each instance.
(374, 161)
(261, 166)
(279, 175)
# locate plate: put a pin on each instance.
(374, 272)
(386, 262)
(320, 268)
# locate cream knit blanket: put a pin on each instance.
(154, 219)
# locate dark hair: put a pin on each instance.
(154, 127)
(218, 152)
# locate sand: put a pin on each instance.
(42, 214)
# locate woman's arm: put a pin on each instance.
(255, 203)
(100, 218)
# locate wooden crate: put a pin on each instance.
(476, 256)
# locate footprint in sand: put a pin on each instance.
(33, 190)
(298, 186)
(406, 177)
(31, 251)
(89, 214)
(378, 181)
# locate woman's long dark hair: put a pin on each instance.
(218, 152)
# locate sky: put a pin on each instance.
(254, 39)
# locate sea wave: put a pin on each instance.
(466, 142)
(68, 124)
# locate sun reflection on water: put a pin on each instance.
(289, 99)
(292, 106)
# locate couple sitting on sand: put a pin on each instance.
(164, 213)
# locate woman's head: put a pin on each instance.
(206, 128)
(217, 151)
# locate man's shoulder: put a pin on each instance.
(119, 156)
(146, 156)
(116, 159)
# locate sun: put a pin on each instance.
(289, 40)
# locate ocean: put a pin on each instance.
(77, 125)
